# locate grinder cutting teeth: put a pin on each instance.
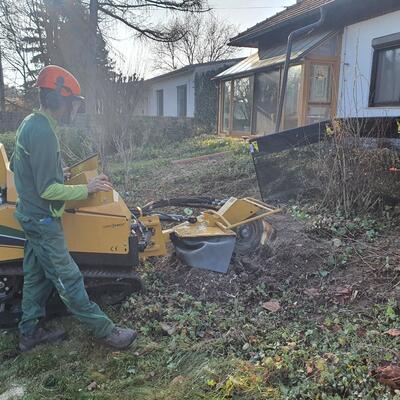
(107, 239)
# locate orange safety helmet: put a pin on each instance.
(58, 79)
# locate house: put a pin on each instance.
(174, 94)
(346, 64)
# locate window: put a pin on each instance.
(249, 105)
(385, 79)
(266, 90)
(160, 102)
(242, 104)
(181, 95)
(237, 104)
(320, 92)
(292, 98)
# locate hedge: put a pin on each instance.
(8, 140)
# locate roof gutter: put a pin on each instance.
(294, 35)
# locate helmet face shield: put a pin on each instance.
(73, 105)
(78, 107)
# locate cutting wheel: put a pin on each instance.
(251, 236)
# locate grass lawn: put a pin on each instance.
(312, 317)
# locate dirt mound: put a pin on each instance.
(290, 259)
(296, 268)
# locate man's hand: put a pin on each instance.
(99, 184)
(67, 174)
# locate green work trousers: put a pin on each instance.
(48, 264)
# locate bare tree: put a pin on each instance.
(2, 87)
(132, 14)
(13, 24)
(39, 32)
(204, 38)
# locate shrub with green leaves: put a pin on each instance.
(8, 140)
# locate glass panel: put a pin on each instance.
(266, 101)
(329, 48)
(292, 98)
(388, 76)
(242, 104)
(181, 100)
(226, 88)
(320, 83)
(318, 114)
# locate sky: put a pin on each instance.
(134, 55)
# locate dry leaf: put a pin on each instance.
(343, 294)
(331, 357)
(312, 292)
(170, 329)
(361, 332)
(336, 328)
(272, 306)
(178, 380)
(343, 291)
(388, 375)
(92, 386)
(393, 332)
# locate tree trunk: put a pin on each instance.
(2, 87)
(92, 64)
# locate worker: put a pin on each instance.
(39, 180)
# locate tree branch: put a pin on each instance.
(152, 34)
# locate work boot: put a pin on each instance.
(40, 336)
(119, 338)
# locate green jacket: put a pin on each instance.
(38, 173)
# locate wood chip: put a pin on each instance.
(92, 386)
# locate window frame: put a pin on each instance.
(303, 100)
(251, 86)
(230, 130)
(390, 42)
(254, 118)
(160, 91)
(180, 88)
(227, 131)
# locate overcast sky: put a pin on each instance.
(135, 56)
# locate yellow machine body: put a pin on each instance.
(99, 225)
(98, 230)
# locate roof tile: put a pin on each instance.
(289, 13)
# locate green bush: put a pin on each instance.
(8, 140)
(75, 144)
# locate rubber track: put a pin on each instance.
(16, 270)
(8, 319)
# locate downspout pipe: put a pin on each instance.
(294, 35)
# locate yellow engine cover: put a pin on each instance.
(101, 224)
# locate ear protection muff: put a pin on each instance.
(54, 98)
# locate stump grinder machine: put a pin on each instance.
(108, 240)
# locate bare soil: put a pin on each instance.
(293, 267)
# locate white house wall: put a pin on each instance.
(356, 66)
(169, 86)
